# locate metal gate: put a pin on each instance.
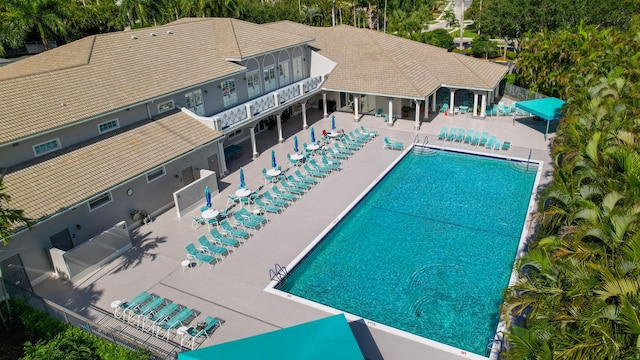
(13, 273)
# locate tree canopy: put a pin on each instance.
(10, 219)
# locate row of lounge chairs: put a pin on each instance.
(478, 138)
(159, 316)
(343, 147)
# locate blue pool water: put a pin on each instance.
(429, 250)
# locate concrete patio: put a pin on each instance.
(233, 289)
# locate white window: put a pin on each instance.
(194, 102)
(155, 173)
(46, 147)
(298, 68)
(269, 78)
(99, 201)
(108, 126)
(166, 106)
(253, 84)
(283, 70)
(229, 96)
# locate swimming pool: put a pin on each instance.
(428, 250)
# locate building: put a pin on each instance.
(98, 130)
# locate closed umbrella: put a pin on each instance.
(207, 196)
(333, 122)
(313, 136)
(242, 184)
(273, 159)
(295, 144)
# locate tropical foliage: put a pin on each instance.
(68, 20)
(578, 292)
(10, 219)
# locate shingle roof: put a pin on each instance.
(101, 73)
(373, 62)
(50, 186)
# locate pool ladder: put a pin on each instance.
(278, 273)
(425, 141)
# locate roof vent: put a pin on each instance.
(169, 32)
(152, 34)
(133, 37)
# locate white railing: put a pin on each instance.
(264, 103)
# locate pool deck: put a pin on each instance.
(234, 289)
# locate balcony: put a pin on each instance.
(265, 103)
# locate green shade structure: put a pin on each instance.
(547, 109)
(328, 338)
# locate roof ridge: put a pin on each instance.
(395, 65)
(235, 36)
(464, 63)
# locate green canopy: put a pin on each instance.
(547, 109)
(328, 338)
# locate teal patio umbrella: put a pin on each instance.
(295, 144)
(207, 196)
(273, 159)
(313, 136)
(242, 184)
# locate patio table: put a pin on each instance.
(274, 172)
(210, 214)
(243, 192)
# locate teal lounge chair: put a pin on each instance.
(452, 134)
(369, 132)
(392, 144)
(497, 145)
(246, 222)
(489, 144)
(268, 208)
(460, 135)
(379, 112)
(290, 189)
(506, 145)
(343, 150)
(246, 214)
(443, 133)
(476, 138)
(315, 166)
(331, 164)
(194, 254)
(307, 179)
(336, 154)
(299, 184)
(174, 322)
(130, 305)
(270, 199)
(312, 172)
(469, 137)
(223, 240)
(189, 339)
(232, 231)
(484, 138)
(151, 306)
(282, 195)
(208, 248)
(150, 321)
(348, 144)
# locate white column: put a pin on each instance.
(475, 104)
(222, 160)
(416, 126)
(279, 123)
(356, 107)
(252, 130)
(324, 104)
(390, 110)
(433, 103)
(452, 99)
(304, 115)
(483, 106)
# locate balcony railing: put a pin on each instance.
(264, 103)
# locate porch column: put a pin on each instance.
(304, 115)
(416, 125)
(483, 107)
(279, 123)
(475, 104)
(222, 160)
(252, 130)
(452, 99)
(324, 104)
(356, 107)
(390, 110)
(433, 103)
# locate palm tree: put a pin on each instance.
(21, 17)
(10, 219)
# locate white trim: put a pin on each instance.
(171, 107)
(108, 194)
(155, 175)
(58, 146)
(117, 122)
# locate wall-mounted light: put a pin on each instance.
(205, 91)
(78, 227)
(177, 176)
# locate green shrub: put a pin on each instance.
(511, 55)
